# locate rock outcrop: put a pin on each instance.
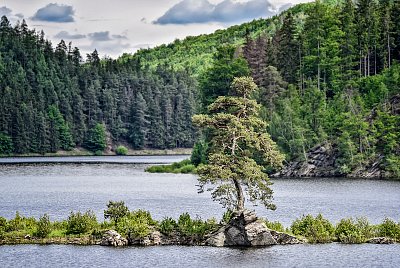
(381, 240)
(320, 162)
(153, 239)
(284, 238)
(371, 170)
(246, 230)
(114, 239)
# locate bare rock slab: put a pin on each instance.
(114, 239)
(381, 240)
(246, 230)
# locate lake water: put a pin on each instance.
(56, 189)
(327, 255)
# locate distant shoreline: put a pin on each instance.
(90, 159)
(82, 152)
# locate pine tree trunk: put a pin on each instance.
(240, 196)
(239, 190)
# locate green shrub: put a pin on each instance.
(390, 229)
(143, 214)
(275, 225)
(187, 169)
(367, 230)
(227, 216)
(78, 223)
(121, 150)
(15, 224)
(316, 230)
(57, 233)
(195, 228)
(156, 169)
(184, 166)
(43, 226)
(98, 153)
(185, 224)
(97, 233)
(20, 223)
(167, 226)
(3, 225)
(3, 222)
(353, 232)
(115, 211)
(136, 224)
(201, 228)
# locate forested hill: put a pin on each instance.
(328, 72)
(195, 53)
(50, 101)
(331, 75)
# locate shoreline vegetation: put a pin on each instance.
(128, 152)
(139, 228)
(187, 167)
(184, 167)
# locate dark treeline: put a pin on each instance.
(50, 100)
(330, 73)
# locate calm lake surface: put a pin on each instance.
(57, 189)
(327, 255)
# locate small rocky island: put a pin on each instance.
(244, 229)
(240, 228)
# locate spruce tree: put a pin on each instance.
(139, 123)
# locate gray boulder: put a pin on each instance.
(381, 240)
(246, 230)
(284, 238)
(114, 239)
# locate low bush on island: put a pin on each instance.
(121, 150)
(316, 230)
(80, 223)
(184, 167)
(138, 224)
(390, 229)
(354, 232)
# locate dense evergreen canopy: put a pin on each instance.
(327, 71)
(51, 101)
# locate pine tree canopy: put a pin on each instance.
(237, 136)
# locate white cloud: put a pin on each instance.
(227, 11)
(67, 36)
(55, 13)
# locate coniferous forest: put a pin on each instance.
(327, 72)
(51, 101)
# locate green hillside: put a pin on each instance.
(195, 53)
(327, 72)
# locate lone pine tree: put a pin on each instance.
(238, 139)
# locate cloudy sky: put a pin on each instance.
(118, 26)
